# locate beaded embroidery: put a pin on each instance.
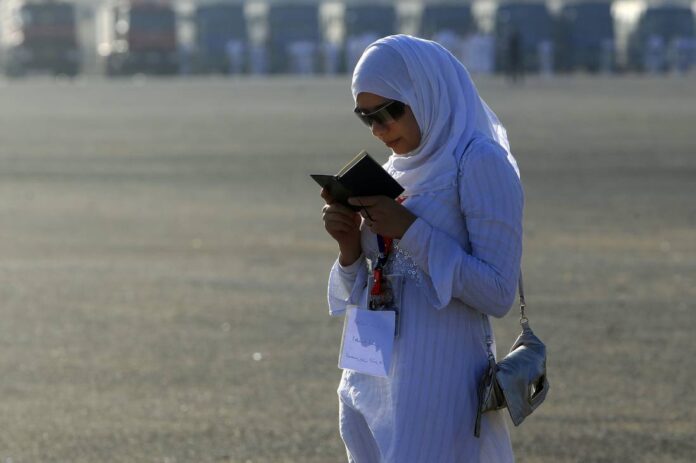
(401, 262)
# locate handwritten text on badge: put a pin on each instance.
(368, 341)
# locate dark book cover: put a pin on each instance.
(362, 176)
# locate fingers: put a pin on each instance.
(384, 216)
(366, 201)
(336, 218)
(327, 196)
(340, 221)
(374, 213)
(336, 215)
(369, 205)
(339, 227)
(338, 208)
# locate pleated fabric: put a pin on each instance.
(460, 260)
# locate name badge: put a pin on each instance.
(368, 341)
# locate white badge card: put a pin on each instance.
(368, 341)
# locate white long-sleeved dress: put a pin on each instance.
(460, 259)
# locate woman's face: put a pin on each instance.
(402, 135)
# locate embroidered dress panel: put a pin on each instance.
(401, 262)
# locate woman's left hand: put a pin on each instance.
(383, 215)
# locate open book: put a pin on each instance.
(362, 176)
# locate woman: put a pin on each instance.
(457, 243)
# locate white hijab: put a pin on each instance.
(444, 101)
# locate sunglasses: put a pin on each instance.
(388, 112)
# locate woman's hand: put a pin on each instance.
(384, 215)
(343, 224)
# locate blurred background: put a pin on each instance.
(326, 37)
(163, 261)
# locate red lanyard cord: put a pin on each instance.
(385, 247)
(384, 243)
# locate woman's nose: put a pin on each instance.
(378, 129)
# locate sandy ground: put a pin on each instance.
(163, 265)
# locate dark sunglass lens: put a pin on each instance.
(382, 116)
(396, 109)
(392, 110)
(367, 120)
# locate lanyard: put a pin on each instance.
(385, 245)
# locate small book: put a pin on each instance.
(362, 176)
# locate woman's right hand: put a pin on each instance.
(343, 224)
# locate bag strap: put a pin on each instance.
(524, 321)
(520, 287)
(523, 305)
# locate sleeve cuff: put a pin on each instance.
(346, 285)
(415, 242)
(350, 271)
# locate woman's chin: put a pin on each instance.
(398, 150)
(402, 151)
(402, 147)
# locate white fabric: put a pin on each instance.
(460, 259)
(355, 46)
(444, 101)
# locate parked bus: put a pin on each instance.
(528, 26)
(585, 37)
(663, 39)
(456, 18)
(292, 38)
(39, 36)
(220, 38)
(138, 37)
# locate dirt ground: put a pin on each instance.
(163, 267)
